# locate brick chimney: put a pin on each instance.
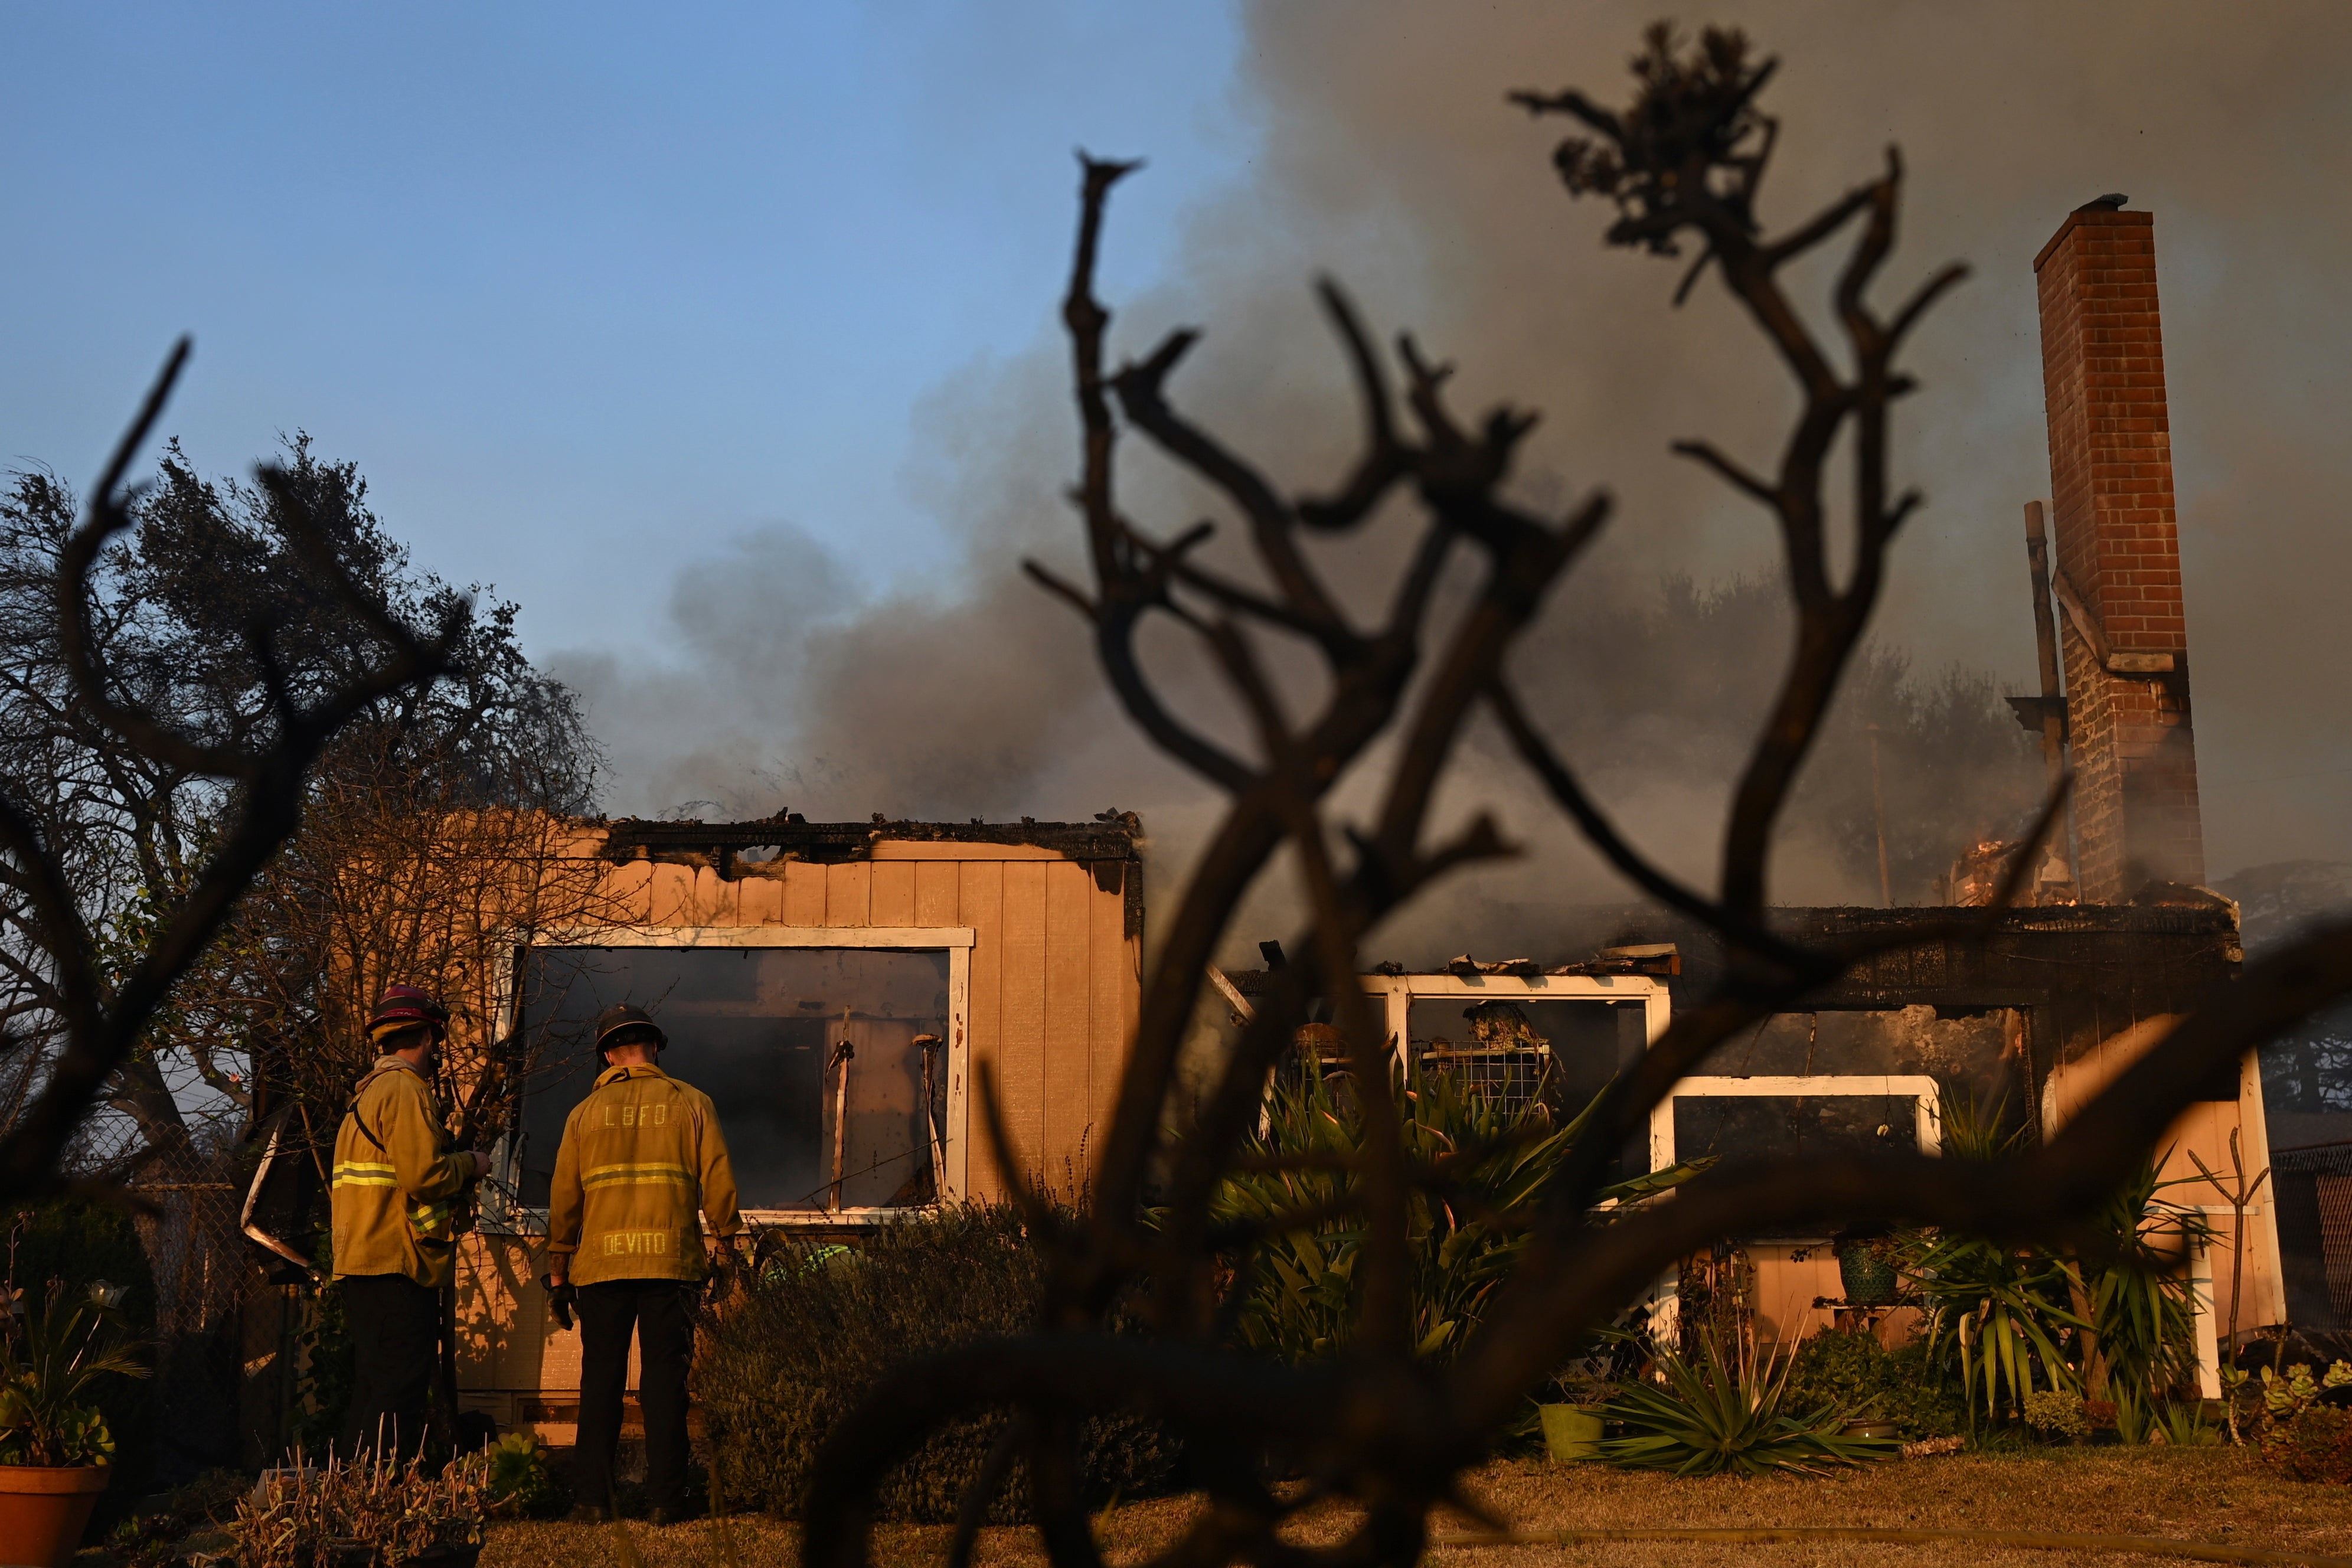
(2121, 626)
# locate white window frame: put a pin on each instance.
(955, 941)
(1398, 992)
(1918, 1087)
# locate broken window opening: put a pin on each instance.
(827, 1065)
(1520, 1052)
(1746, 1118)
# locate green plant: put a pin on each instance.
(1485, 1163)
(2142, 1313)
(815, 1328)
(522, 1484)
(1998, 1316)
(51, 1358)
(1714, 1415)
(2182, 1423)
(373, 1514)
(2283, 1398)
(2313, 1444)
(83, 1244)
(1864, 1380)
(2116, 1323)
(2057, 1415)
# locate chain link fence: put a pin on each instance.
(204, 1274)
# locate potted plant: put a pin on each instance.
(1867, 1271)
(56, 1454)
(1572, 1419)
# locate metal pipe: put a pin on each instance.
(841, 1058)
(933, 1125)
(2054, 701)
(1878, 805)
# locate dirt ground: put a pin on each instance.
(2210, 1495)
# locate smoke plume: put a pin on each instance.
(1390, 160)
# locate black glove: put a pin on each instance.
(560, 1299)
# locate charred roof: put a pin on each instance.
(788, 835)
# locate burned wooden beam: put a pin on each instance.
(1113, 837)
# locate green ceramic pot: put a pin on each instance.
(1570, 1431)
(1869, 1279)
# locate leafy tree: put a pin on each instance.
(224, 606)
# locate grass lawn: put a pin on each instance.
(2215, 1495)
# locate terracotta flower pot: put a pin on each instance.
(44, 1510)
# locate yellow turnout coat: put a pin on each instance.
(641, 1161)
(395, 1179)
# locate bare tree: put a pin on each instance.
(318, 648)
(408, 869)
(1683, 163)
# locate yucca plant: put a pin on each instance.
(2142, 1311)
(2002, 1315)
(1484, 1164)
(50, 1361)
(1714, 1413)
(2116, 1323)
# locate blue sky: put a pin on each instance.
(619, 308)
(578, 287)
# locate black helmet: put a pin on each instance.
(626, 1016)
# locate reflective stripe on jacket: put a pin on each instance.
(642, 1160)
(394, 1179)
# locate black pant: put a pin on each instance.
(395, 1326)
(661, 1311)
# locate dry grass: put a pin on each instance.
(2208, 1494)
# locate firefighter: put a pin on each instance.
(642, 1160)
(396, 1181)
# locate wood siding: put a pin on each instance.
(1056, 986)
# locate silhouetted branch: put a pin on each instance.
(1374, 1424)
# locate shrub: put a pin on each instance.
(2059, 1416)
(2012, 1319)
(367, 1515)
(2313, 1445)
(1862, 1380)
(1715, 1415)
(522, 1485)
(807, 1339)
(2285, 1397)
(156, 1535)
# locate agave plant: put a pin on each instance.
(49, 1359)
(1714, 1413)
(1483, 1164)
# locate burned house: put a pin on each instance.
(836, 987)
(2017, 1022)
(2021, 1020)
(833, 987)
